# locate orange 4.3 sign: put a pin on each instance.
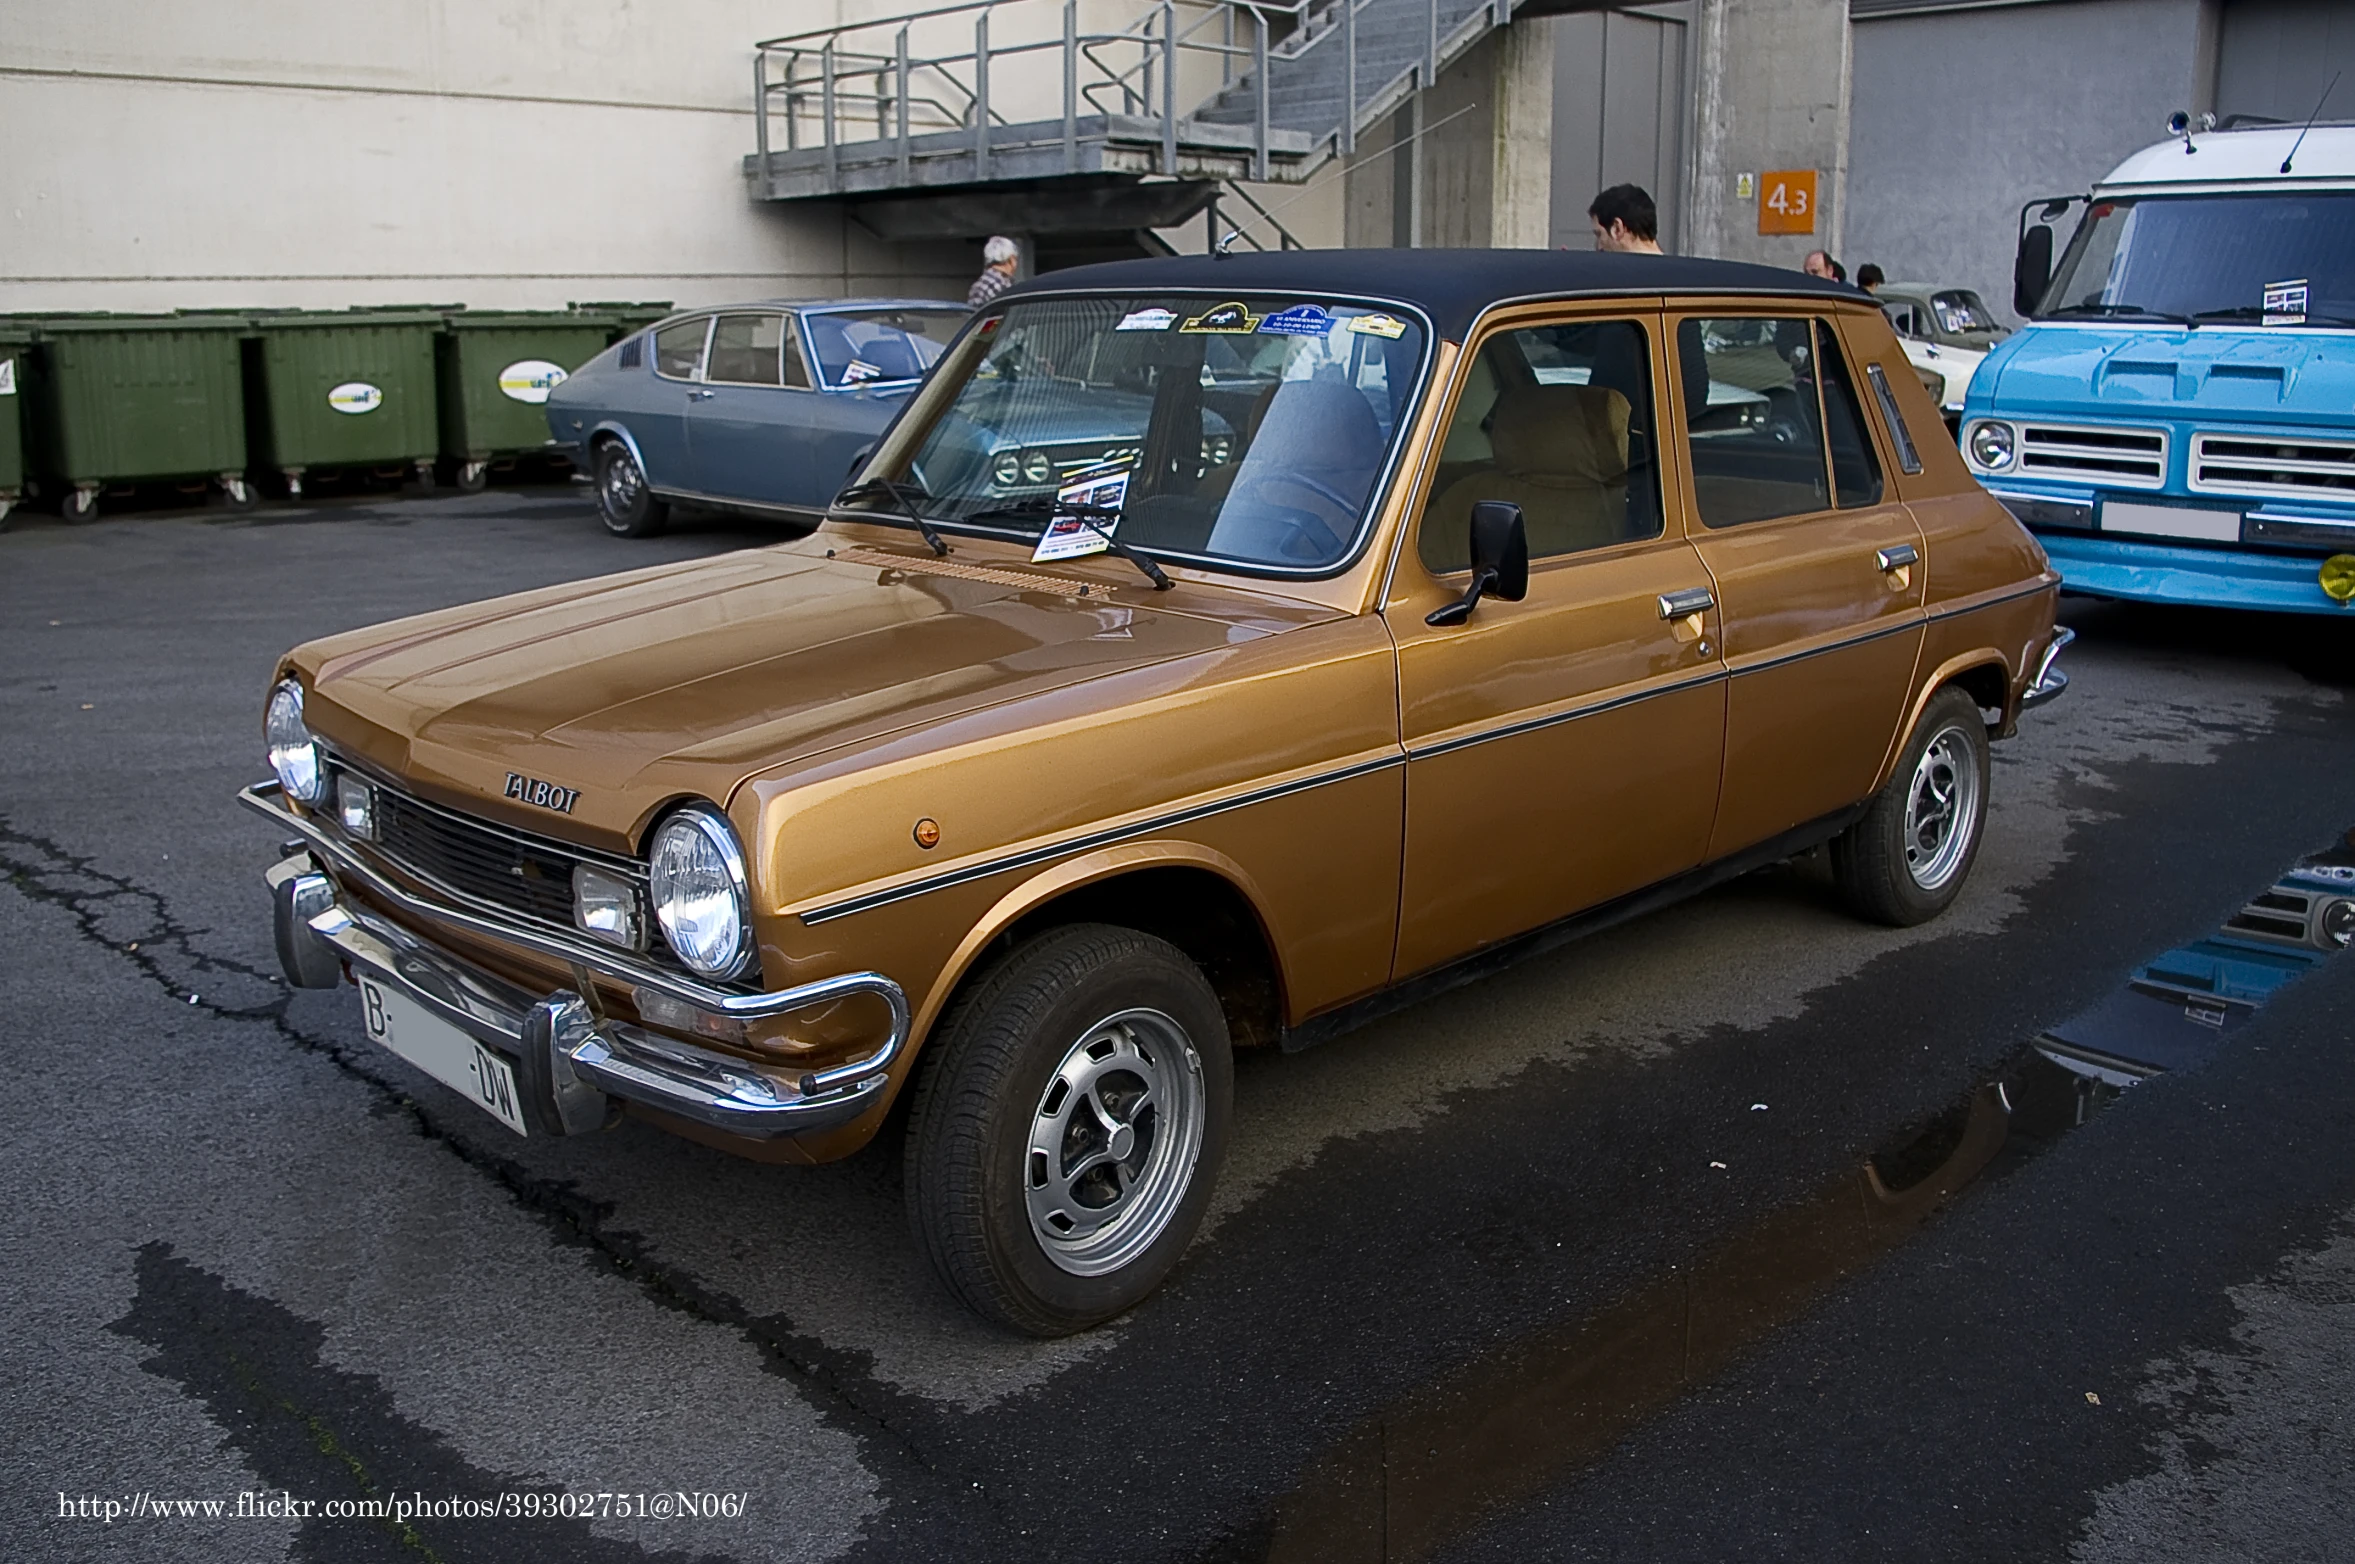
(1786, 201)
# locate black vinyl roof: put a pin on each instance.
(1450, 286)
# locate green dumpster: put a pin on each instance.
(348, 390)
(13, 377)
(496, 373)
(622, 319)
(129, 398)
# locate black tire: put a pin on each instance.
(78, 505)
(627, 507)
(239, 497)
(1004, 1057)
(473, 477)
(1899, 865)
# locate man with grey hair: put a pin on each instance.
(1002, 254)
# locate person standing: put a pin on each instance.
(1625, 221)
(1819, 263)
(1001, 255)
(1869, 277)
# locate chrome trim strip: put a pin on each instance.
(811, 514)
(2049, 682)
(602, 959)
(1555, 719)
(1081, 844)
(720, 1090)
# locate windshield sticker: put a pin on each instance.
(859, 369)
(1096, 492)
(1301, 320)
(2285, 303)
(1147, 320)
(1389, 326)
(1228, 319)
(991, 324)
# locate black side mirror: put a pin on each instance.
(2032, 269)
(1500, 561)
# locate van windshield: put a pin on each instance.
(1245, 432)
(2210, 257)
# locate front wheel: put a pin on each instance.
(1068, 1128)
(624, 503)
(1908, 857)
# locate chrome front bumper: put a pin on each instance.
(569, 1060)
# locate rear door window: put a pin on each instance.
(1856, 470)
(678, 348)
(1756, 437)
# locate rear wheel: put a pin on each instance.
(1068, 1128)
(1908, 857)
(624, 503)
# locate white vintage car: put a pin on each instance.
(1946, 333)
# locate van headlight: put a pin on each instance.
(1991, 445)
(702, 899)
(294, 753)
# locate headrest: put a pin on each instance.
(1577, 433)
(1320, 424)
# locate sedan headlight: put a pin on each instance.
(1005, 469)
(1991, 445)
(294, 753)
(702, 900)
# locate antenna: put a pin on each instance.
(2310, 119)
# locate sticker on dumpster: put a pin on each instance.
(355, 396)
(7, 377)
(531, 379)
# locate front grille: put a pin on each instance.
(512, 871)
(2116, 458)
(2301, 468)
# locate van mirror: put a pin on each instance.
(2031, 269)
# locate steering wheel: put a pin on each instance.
(1318, 540)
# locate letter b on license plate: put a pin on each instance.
(482, 1075)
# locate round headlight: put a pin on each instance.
(1005, 469)
(294, 754)
(1036, 467)
(1991, 445)
(701, 897)
(2338, 923)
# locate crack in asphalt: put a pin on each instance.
(840, 1384)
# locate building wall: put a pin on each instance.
(281, 152)
(1959, 118)
(1771, 91)
(2277, 58)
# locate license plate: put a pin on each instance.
(481, 1075)
(2172, 521)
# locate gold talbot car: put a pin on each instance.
(1216, 653)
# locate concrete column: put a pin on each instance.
(1482, 173)
(1770, 92)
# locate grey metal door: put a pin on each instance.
(657, 420)
(1621, 105)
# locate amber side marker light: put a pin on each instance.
(928, 830)
(2337, 578)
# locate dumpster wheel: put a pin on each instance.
(79, 504)
(237, 495)
(473, 477)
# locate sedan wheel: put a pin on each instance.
(625, 504)
(1907, 858)
(1067, 1127)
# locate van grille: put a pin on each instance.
(2301, 468)
(2117, 458)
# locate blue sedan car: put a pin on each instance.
(760, 408)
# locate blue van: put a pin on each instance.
(2176, 421)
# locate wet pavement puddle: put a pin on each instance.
(1429, 1468)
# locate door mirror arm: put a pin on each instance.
(1500, 562)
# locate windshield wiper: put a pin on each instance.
(932, 538)
(1087, 516)
(2112, 311)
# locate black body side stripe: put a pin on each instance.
(1082, 844)
(1515, 729)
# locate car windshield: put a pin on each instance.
(2211, 256)
(879, 346)
(1959, 309)
(1244, 432)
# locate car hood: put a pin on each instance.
(638, 689)
(2225, 373)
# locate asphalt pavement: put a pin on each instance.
(1573, 1263)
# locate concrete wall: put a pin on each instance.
(1771, 91)
(217, 152)
(1959, 118)
(1467, 164)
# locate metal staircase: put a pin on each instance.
(932, 122)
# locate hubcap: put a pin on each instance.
(621, 483)
(1113, 1142)
(1942, 811)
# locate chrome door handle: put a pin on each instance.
(701, 396)
(1692, 600)
(1897, 558)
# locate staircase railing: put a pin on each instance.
(892, 78)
